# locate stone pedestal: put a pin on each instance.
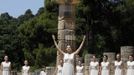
(126, 51)
(111, 56)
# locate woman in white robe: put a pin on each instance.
(118, 65)
(25, 68)
(105, 66)
(94, 66)
(79, 68)
(59, 68)
(130, 66)
(6, 66)
(68, 59)
(43, 72)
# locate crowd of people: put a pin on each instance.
(95, 67)
(104, 67)
(67, 66)
(101, 68)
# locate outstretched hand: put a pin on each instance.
(84, 37)
(53, 37)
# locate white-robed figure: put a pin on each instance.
(59, 68)
(43, 72)
(118, 65)
(68, 59)
(79, 68)
(25, 68)
(105, 66)
(6, 66)
(130, 66)
(94, 66)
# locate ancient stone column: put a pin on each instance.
(111, 59)
(126, 51)
(66, 25)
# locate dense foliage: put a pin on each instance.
(108, 24)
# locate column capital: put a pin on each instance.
(67, 1)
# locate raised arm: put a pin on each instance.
(57, 44)
(78, 50)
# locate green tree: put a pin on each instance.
(9, 40)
